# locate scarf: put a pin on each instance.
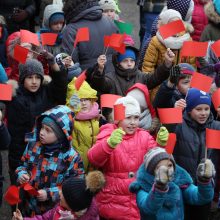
(145, 120)
(93, 113)
(50, 149)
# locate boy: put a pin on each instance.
(50, 154)
(109, 8)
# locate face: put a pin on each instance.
(32, 82)
(29, 47)
(166, 163)
(85, 105)
(63, 201)
(47, 135)
(127, 63)
(183, 85)
(57, 26)
(129, 124)
(200, 113)
(68, 62)
(110, 13)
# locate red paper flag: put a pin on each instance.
(171, 143)
(108, 100)
(120, 49)
(216, 48)
(12, 195)
(5, 92)
(119, 112)
(48, 39)
(212, 138)
(80, 79)
(216, 99)
(194, 49)
(171, 29)
(30, 189)
(81, 35)
(170, 115)
(29, 37)
(20, 53)
(201, 82)
(116, 40)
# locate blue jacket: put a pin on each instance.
(158, 205)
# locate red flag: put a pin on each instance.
(194, 49)
(20, 53)
(30, 189)
(115, 41)
(119, 112)
(201, 82)
(171, 29)
(12, 195)
(216, 99)
(48, 38)
(170, 115)
(5, 92)
(108, 100)
(80, 79)
(81, 35)
(171, 143)
(212, 138)
(29, 37)
(216, 48)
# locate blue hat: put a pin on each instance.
(196, 97)
(58, 16)
(216, 4)
(129, 53)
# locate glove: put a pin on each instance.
(115, 138)
(162, 136)
(49, 57)
(163, 176)
(205, 170)
(75, 102)
(217, 67)
(175, 72)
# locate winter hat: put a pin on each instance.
(128, 40)
(169, 14)
(182, 6)
(139, 96)
(31, 67)
(79, 192)
(57, 130)
(61, 56)
(129, 53)
(216, 4)
(185, 69)
(108, 5)
(154, 156)
(196, 97)
(132, 106)
(59, 16)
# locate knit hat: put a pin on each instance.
(61, 56)
(196, 97)
(31, 67)
(129, 53)
(139, 96)
(108, 5)
(79, 192)
(185, 69)
(154, 156)
(57, 130)
(216, 4)
(169, 14)
(132, 106)
(56, 17)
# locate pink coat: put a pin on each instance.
(119, 166)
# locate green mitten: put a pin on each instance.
(115, 138)
(162, 136)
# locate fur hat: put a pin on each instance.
(79, 192)
(169, 14)
(108, 5)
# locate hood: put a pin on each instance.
(145, 90)
(48, 11)
(211, 13)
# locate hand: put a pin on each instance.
(75, 102)
(17, 215)
(20, 16)
(205, 170)
(101, 62)
(48, 56)
(217, 67)
(162, 136)
(24, 178)
(169, 58)
(163, 175)
(175, 72)
(181, 103)
(42, 195)
(115, 138)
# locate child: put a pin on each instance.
(86, 124)
(119, 151)
(109, 8)
(76, 200)
(49, 152)
(162, 187)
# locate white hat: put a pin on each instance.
(169, 14)
(139, 96)
(108, 5)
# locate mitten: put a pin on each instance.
(65, 215)
(162, 136)
(175, 72)
(205, 170)
(75, 102)
(115, 138)
(49, 57)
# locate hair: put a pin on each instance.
(184, 76)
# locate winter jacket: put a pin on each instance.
(52, 168)
(3, 38)
(190, 145)
(155, 204)
(86, 53)
(119, 166)
(26, 106)
(152, 7)
(3, 75)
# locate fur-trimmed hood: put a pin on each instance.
(211, 13)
